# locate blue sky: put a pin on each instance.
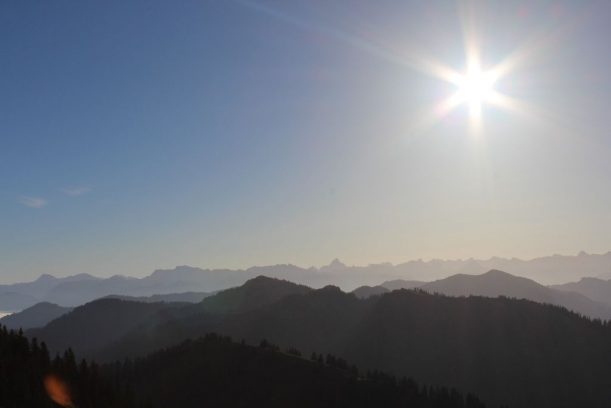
(146, 134)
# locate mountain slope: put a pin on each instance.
(255, 293)
(508, 351)
(38, 315)
(99, 323)
(497, 283)
(213, 371)
(94, 327)
(594, 288)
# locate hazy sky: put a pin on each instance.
(136, 135)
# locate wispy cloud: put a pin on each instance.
(76, 191)
(32, 202)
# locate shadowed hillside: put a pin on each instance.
(483, 344)
(99, 323)
(497, 283)
(506, 350)
(38, 315)
(213, 371)
(255, 293)
(594, 288)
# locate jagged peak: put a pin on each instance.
(336, 263)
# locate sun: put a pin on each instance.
(475, 88)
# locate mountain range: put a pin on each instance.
(507, 351)
(79, 289)
(496, 283)
(491, 284)
(208, 371)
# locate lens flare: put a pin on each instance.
(58, 391)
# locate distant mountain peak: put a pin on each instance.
(45, 277)
(336, 263)
(255, 293)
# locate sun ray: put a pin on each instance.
(475, 85)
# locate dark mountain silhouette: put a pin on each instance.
(508, 351)
(363, 292)
(594, 288)
(83, 288)
(211, 371)
(497, 283)
(214, 371)
(255, 293)
(401, 284)
(38, 315)
(99, 323)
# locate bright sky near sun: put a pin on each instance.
(145, 134)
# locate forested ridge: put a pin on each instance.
(507, 351)
(210, 371)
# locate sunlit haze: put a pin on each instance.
(148, 134)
